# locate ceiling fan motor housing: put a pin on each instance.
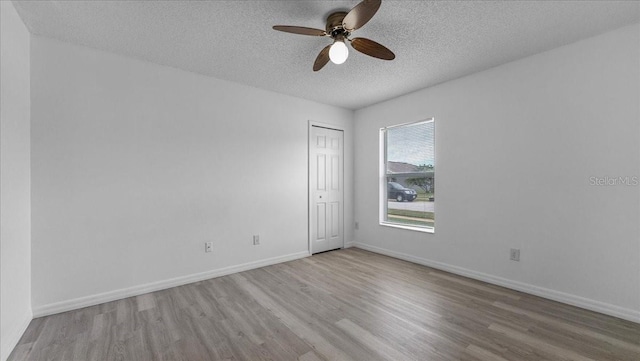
(334, 25)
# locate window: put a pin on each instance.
(407, 179)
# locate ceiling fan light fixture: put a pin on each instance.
(339, 27)
(338, 53)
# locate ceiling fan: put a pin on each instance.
(339, 27)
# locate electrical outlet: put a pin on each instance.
(256, 239)
(514, 254)
(208, 246)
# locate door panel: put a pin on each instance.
(322, 141)
(326, 189)
(321, 221)
(322, 175)
(335, 219)
(335, 173)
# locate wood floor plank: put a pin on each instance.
(582, 331)
(483, 355)
(379, 345)
(475, 284)
(310, 356)
(343, 305)
(295, 323)
(543, 346)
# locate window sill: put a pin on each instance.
(410, 228)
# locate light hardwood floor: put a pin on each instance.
(343, 305)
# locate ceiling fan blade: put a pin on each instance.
(372, 48)
(360, 14)
(299, 30)
(322, 59)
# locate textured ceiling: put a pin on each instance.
(434, 41)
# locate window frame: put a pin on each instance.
(382, 179)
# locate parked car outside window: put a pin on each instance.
(400, 193)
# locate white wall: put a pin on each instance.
(516, 146)
(136, 165)
(15, 205)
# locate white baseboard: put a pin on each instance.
(10, 341)
(96, 299)
(597, 306)
(73, 304)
